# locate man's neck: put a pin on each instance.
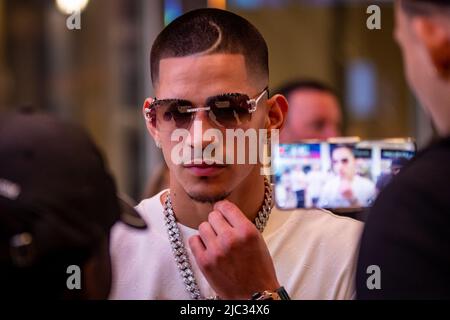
(248, 196)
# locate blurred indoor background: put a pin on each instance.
(99, 75)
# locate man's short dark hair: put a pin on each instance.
(211, 31)
(304, 84)
(425, 7)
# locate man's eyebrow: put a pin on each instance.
(228, 94)
(171, 99)
(223, 94)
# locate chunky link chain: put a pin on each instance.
(179, 250)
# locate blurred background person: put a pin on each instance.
(346, 188)
(407, 233)
(314, 111)
(57, 205)
(384, 179)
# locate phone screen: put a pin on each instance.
(337, 175)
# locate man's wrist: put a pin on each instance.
(278, 294)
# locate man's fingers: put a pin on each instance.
(231, 212)
(207, 234)
(218, 222)
(197, 246)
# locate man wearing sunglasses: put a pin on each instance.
(346, 188)
(215, 232)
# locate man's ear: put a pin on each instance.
(278, 107)
(436, 38)
(151, 129)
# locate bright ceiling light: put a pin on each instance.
(71, 6)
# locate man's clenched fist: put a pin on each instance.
(232, 254)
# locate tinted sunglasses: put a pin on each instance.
(229, 110)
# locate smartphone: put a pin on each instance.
(340, 173)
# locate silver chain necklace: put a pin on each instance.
(179, 250)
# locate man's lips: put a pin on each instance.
(204, 169)
(203, 165)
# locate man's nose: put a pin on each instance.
(200, 124)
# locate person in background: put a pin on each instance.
(314, 111)
(346, 188)
(396, 165)
(57, 205)
(407, 233)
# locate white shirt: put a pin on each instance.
(298, 180)
(314, 253)
(363, 190)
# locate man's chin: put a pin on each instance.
(208, 197)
